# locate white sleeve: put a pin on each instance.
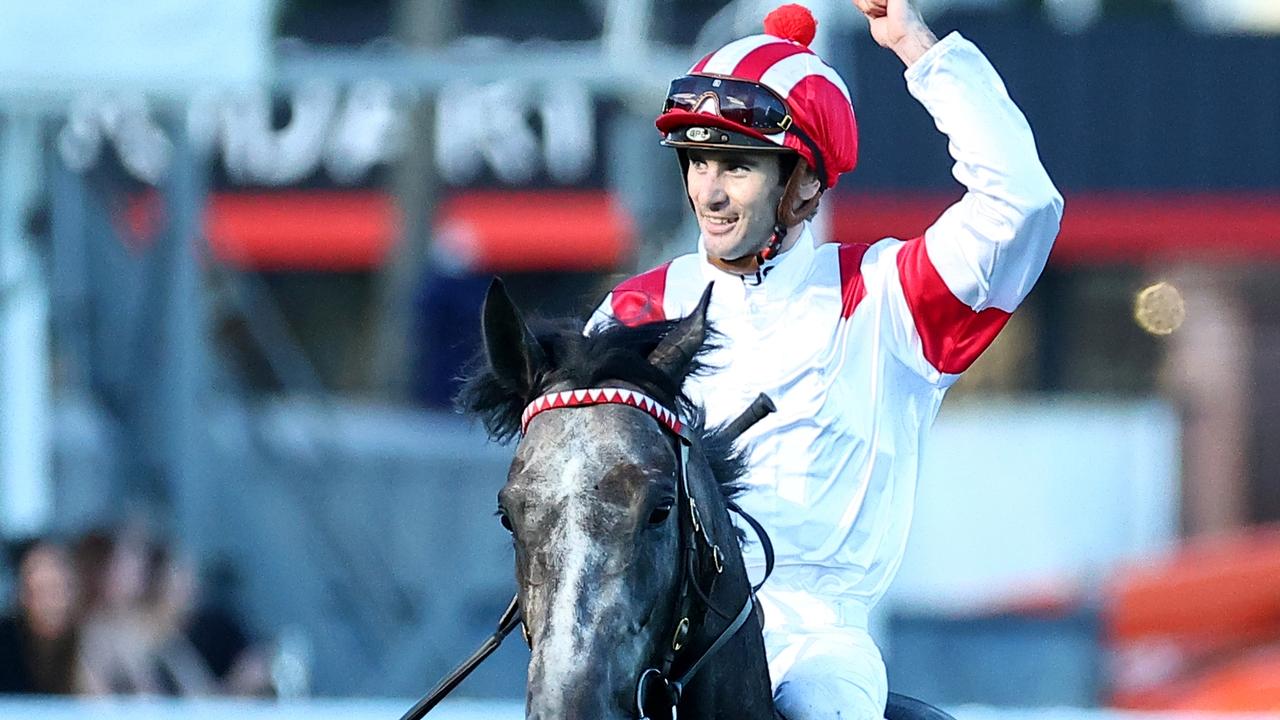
(951, 291)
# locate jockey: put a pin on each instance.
(856, 344)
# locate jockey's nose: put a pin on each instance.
(718, 198)
(709, 193)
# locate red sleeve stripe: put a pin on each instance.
(639, 300)
(952, 333)
(851, 288)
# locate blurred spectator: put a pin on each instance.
(198, 649)
(114, 645)
(146, 632)
(168, 604)
(241, 668)
(38, 642)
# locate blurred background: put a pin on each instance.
(243, 246)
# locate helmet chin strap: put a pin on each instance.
(774, 246)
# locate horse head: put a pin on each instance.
(616, 502)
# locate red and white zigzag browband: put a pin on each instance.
(601, 396)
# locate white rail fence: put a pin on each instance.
(351, 709)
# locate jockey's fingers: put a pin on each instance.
(872, 8)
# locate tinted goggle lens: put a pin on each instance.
(738, 101)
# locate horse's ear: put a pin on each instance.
(513, 351)
(674, 355)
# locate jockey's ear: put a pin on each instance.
(674, 355)
(810, 186)
(801, 196)
(513, 351)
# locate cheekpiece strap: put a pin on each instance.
(602, 396)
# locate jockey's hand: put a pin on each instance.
(897, 25)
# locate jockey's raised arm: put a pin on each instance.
(952, 290)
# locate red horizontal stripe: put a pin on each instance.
(354, 229)
(345, 230)
(1100, 229)
(295, 230)
(1108, 228)
(523, 231)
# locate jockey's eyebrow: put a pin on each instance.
(728, 157)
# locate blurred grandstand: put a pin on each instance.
(242, 251)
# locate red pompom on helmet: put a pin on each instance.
(767, 92)
(791, 22)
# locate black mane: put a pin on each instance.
(614, 352)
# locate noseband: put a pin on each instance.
(699, 554)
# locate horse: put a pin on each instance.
(633, 594)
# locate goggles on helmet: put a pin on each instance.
(739, 101)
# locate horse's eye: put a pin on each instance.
(660, 513)
(505, 520)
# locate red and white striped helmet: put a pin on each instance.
(819, 123)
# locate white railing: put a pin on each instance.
(328, 709)
(351, 709)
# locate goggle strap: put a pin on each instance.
(821, 170)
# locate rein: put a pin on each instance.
(692, 530)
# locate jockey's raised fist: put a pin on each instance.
(897, 25)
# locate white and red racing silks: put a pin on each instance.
(857, 344)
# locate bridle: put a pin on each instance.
(699, 557)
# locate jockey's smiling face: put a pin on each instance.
(735, 196)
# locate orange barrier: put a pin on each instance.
(1214, 608)
(1250, 684)
(1215, 590)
